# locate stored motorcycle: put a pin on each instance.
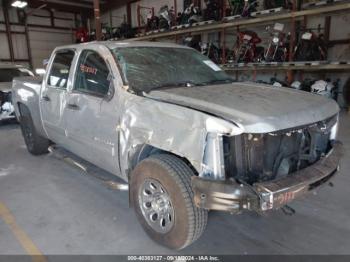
(212, 11)
(278, 47)
(192, 14)
(242, 7)
(152, 22)
(246, 49)
(166, 17)
(271, 4)
(310, 47)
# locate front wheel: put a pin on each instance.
(162, 197)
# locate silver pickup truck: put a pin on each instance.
(184, 136)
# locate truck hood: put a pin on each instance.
(257, 108)
(5, 86)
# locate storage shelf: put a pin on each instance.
(293, 66)
(245, 22)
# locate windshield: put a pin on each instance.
(149, 68)
(7, 74)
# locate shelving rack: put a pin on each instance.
(322, 8)
(245, 22)
(294, 66)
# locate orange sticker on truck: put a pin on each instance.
(88, 69)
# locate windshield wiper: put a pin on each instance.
(218, 81)
(173, 85)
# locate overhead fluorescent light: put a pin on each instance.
(19, 4)
(40, 71)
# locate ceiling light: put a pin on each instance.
(19, 4)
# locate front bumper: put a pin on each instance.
(233, 197)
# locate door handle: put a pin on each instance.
(73, 107)
(46, 98)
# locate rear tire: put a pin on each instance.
(36, 144)
(171, 179)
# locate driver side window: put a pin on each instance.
(92, 74)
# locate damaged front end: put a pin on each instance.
(7, 110)
(266, 171)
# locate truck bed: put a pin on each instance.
(26, 91)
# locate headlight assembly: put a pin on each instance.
(222, 127)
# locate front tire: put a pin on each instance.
(162, 197)
(36, 144)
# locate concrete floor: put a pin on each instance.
(64, 211)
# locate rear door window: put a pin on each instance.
(60, 69)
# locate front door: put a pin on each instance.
(90, 118)
(52, 98)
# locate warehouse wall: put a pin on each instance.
(119, 13)
(156, 4)
(42, 39)
(115, 17)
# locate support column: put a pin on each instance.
(8, 30)
(97, 13)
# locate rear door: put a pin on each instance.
(90, 118)
(52, 99)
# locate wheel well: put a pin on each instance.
(23, 109)
(145, 151)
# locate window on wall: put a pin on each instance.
(60, 69)
(92, 74)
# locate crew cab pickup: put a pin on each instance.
(183, 135)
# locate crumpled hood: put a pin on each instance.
(258, 108)
(5, 86)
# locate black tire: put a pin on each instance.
(36, 144)
(346, 93)
(174, 175)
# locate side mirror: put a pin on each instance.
(45, 62)
(111, 91)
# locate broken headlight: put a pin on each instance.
(334, 131)
(222, 127)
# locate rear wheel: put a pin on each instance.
(36, 144)
(162, 197)
(346, 93)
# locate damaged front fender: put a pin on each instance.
(171, 128)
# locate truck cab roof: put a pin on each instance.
(121, 44)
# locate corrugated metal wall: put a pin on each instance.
(42, 40)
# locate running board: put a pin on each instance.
(110, 180)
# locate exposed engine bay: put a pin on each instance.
(6, 107)
(254, 158)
